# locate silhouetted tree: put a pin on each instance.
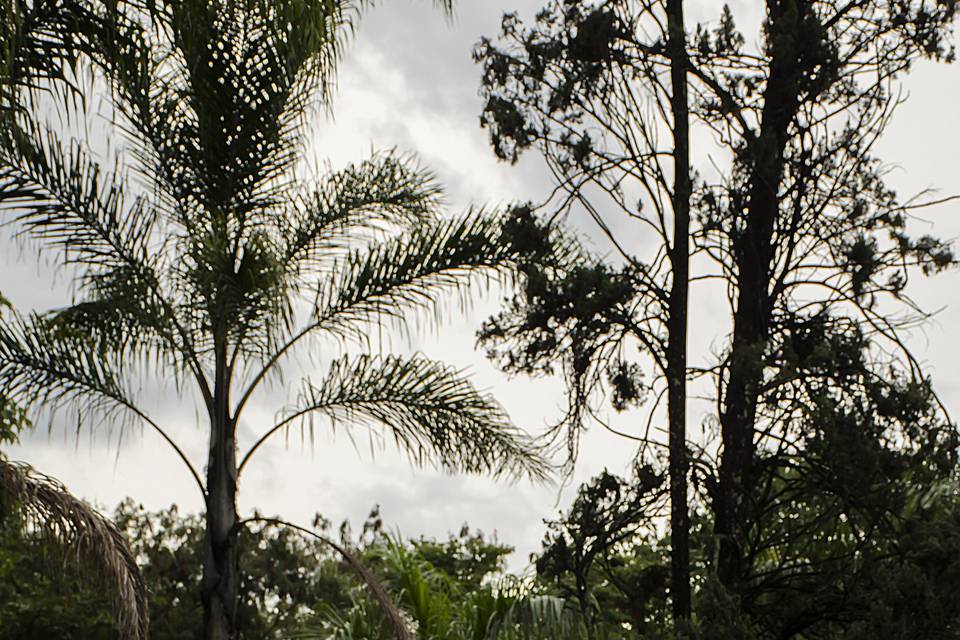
(598, 555)
(592, 86)
(809, 242)
(805, 231)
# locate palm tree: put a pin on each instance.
(202, 256)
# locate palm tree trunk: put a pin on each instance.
(220, 565)
(677, 323)
(220, 585)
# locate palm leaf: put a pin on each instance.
(383, 192)
(534, 617)
(413, 272)
(46, 364)
(36, 52)
(237, 80)
(374, 586)
(50, 510)
(42, 364)
(432, 411)
(66, 200)
(423, 591)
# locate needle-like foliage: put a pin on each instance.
(201, 255)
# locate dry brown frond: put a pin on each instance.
(47, 508)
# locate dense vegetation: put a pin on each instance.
(827, 506)
(599, 574)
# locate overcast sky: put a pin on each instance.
(408, 82)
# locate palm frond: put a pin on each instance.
(47, 508)
(36, 51)
(239, 78)
(66, 200)
(534, 617)
(44, 364)
(47, 364)
(385, 191)
(240, 295)
(212, 95)
(119, 314)
(507, 610)
(432, 411)
(376, 589)
(360, 621)
(424, 592)
(413, 272)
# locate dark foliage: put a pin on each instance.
(820, 408)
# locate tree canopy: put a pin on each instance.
(799, 231)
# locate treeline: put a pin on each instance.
(602, 572)
(821, 501)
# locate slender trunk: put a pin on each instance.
(677, 326)
(220, 585)
(753, 254)
(583, 599)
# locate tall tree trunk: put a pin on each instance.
(753, 253)
(220, 585)
(583, 599)
(677, 326)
